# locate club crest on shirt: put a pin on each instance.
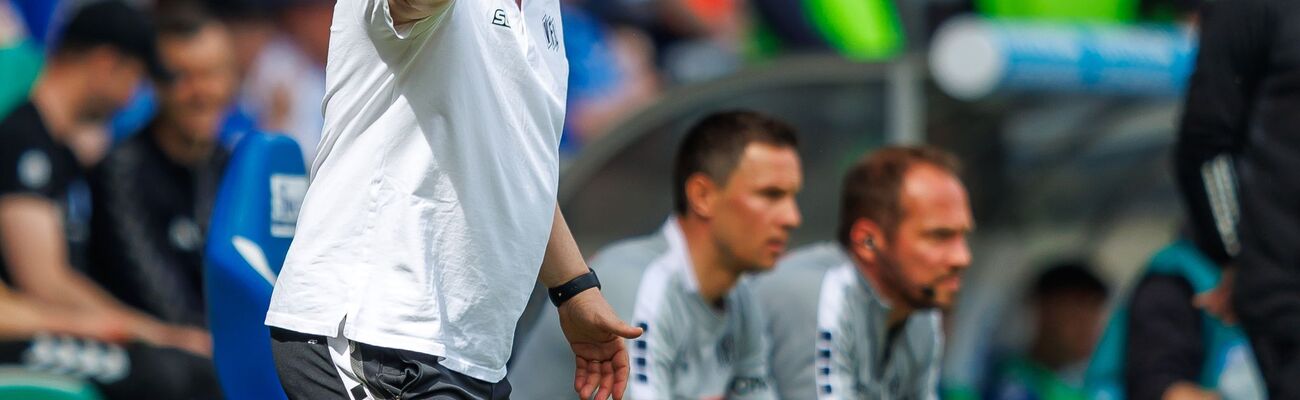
(34, 169)
(499, 18)
(552, 38)
(185, 234)
(726, 350)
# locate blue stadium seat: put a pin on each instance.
(252, 224)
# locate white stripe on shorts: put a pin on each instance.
(341, 356)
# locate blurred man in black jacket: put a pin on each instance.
(154, 192)
(1238, 164)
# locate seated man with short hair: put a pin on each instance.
(860, 319)
(735, 180)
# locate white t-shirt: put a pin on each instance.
(433, 189)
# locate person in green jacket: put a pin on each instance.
(1068, 303)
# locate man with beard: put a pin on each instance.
(861, 319)
(735, 180)
(154, 192)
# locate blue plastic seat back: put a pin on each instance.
(253, 222)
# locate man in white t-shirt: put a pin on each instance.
(431, 207)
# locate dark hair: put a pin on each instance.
(182, 19)
(115, 24)
(715, 144)
(872, 187)
(236, 10)
(1069, 276)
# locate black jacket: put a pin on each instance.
(148, 227)
(1238, 150)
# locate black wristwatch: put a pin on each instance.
(563, 293)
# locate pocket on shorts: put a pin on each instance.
(383, 371)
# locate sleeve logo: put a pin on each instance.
(552, 38)
(499, 18)
(34, 169)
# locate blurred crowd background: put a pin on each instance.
(1064, 113)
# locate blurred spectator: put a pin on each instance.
(37, 336)
(860, 319)
(1236, 160)
(250, 27)
(153, 193)
(44, 202)
(1068, 303)
(693, 40)
(284, 86)
(1160, 346)
(710, 38)
(610, 76)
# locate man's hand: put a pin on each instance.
(596, 336)
(1218, 301)
(94, 325)
(193, 340)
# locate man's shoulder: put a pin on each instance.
(30, 161)
(621, 267)
(749, 306)
(802, 269)
(22, 128)
(630, 255)
(818, 256)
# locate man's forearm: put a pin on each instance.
(70, 289)
(22, 320)
(563, 261)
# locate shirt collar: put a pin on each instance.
(863, 285)
(681, 254)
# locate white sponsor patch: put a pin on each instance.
(287, 192)
(34, 169)
(185, 234)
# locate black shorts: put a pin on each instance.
(309, 369)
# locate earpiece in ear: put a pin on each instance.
(870, 242)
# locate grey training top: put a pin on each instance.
(829, 335)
